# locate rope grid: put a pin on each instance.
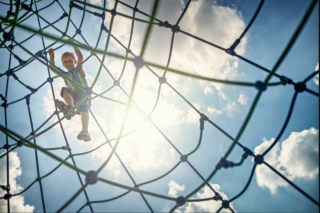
(17, 18)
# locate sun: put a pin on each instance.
(141, 146)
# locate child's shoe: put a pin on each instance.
(85, 136)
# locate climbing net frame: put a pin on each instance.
(92, 176)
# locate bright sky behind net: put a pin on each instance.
(147, 142)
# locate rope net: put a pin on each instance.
(147, 122)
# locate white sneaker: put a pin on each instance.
(85, 136)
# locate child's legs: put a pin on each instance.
(84, 112)
(84, 121)
(67, 96)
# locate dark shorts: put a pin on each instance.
(84, 107)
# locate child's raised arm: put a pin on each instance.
(80, 58)
(52, 64)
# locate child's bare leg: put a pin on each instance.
(84, 134)
(84, 121)
(68, 98)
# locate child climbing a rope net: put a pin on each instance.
(73, 93)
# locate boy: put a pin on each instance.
(72, 94)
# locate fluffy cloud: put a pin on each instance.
(212, 62)
(264, 176)
(296, 158)
(188, 54)
(208, 90)
(213, 110)
(174, 188)
(17, 202)
(231, 107)
(206, 206)
(243, 99)
(300, 154)
(316, 78)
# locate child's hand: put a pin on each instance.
(51, 52)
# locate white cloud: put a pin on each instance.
(192, 115)
(222, 95)
(316, 78)
(213, 110)
(174, 188)
(17, 203)
(235, 64)
(297, 158)
(212, 62)
(206, 206)
(231, 107)
(266, 177)
(243, 99)
(188, 54)
(300, 153)
(208, 90)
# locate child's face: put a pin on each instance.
(68, 62)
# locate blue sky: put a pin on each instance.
(145, 152)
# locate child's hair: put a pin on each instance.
(67, 54)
